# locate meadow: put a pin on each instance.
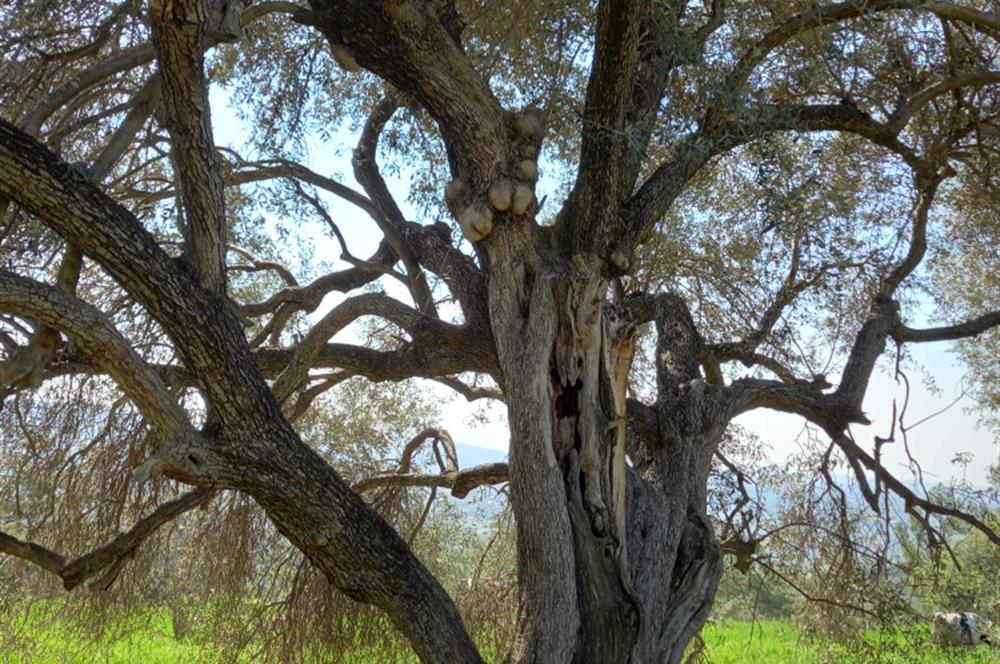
(149, 640)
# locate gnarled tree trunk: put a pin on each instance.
(617, 559)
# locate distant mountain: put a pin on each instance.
(470, 455)
(482, 504)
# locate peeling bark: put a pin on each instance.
(615, 565)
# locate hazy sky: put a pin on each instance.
(934, 443)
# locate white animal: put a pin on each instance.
(961, 629)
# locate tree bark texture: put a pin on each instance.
(616, 563)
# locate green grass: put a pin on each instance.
(775, 642)
(43, 638)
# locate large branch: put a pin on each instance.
(678, 342)
(831, 411)
(203, 324)
(605, 152)
(970, 328)
(902, 115)
(665, 45)
(884, 313)
(35, 554)
(179, 33)
(461, 350)
(819, 16)
(835, 412)
(312, 345)
(987, 20)
(918, 237)
(693, 152)
(45, 186)
(414, 50)
(725, 127)
(797, 398)
(92, 332)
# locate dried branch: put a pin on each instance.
(460, 482)
(110, 556)
(308, 297)
(258, 265)
(854, 452)
(305, 397)
(809, 596)
(470, 392)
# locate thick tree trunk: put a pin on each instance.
(676, 563)
(356, 549)
(614, 564)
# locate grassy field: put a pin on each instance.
(149, 641)
(781, 643)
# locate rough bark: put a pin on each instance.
(179, 31)
(614, 565)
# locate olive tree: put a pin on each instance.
(757, 182)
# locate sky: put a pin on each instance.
(933, 443)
